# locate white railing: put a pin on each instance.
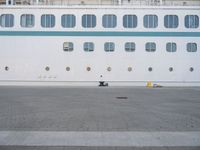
(102, 2)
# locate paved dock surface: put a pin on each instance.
(27, 113)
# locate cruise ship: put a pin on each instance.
(106, 42)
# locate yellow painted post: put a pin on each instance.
(149, 84)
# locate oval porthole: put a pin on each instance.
(150, 69)
(109, 69)
(171, 69)
(88, 69)
(129, 69)
(47, 68)
(191, 69)
(67, 68)
(6, 68)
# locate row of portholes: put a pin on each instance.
(171, 69)
(150, 69)
(89, 69)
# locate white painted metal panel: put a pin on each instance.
(27, 56)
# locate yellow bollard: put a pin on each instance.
(149, 84)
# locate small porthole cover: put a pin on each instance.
(67, 68)
(109, 69)
(88, 69)
(191, 69)
(6, 68)
(171, 69)
(47, 68)
(129, 69)
(150, 69)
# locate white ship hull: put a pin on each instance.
(27, 52)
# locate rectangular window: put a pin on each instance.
(109, 21)
(191, 21)
(130, 21)
(150, 47)
(68, 46)
(88, 46)
(27, 20)
(47, 21)
(171, 47)
(68, 21)
(171, 21)
(191, 47)
(129, 47)
(150, 21)
(109, 46)
(7, 20)
(89, 21)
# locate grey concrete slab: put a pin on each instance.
(99, 109)
(112, 139)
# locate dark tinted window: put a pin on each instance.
(109, 21)
(171, 21)
(7, 20)
(68, 21)
(48, 21)
(130, 21)
(150, 21)
(88, 21)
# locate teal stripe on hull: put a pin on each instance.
(82, 33)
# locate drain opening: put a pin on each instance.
(121, 97)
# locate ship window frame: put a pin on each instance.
(191, 47)
(130, 46)
(150, 21)
(171, 47)
(48, 20)
(92, 21)
(109, 21)
(109, 46)
(171, 21)
(130, 21)
(68, 20)
(8, 22)
(88, 46)
(68, 46)
(191, 21)
(27, 23)
(150, 46)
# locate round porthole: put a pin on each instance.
(191, 69)
(109, 69)
(129, 69)
(47, 68)
(67, 68)
(88, 69)
(171, 69)
(150, 69)
(6, 68)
